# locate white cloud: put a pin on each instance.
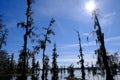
(92, 43)
(113, 39)
(73, 60)
(85, 34)
(69, 45)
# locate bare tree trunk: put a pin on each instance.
(100, 37)
(81, 55)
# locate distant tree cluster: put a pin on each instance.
(7, 64)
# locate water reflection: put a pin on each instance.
(89, 76)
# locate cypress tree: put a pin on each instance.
(43, 42)
(28, 31)
(54, 64)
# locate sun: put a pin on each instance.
(90, 6)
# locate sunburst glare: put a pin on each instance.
(90, 6)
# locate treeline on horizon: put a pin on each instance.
(108, 64)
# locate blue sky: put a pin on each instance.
(69, 15)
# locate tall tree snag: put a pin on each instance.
(81, 57)
(102, 50)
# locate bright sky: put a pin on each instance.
(69, 15)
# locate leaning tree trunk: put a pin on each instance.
(100, 39)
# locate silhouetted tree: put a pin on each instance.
(46, 61)
(64, 69)
(28, 33)
(12, 66)
(42, 43)
(94, 70)
(3, 33)
(4, 57)
(102, 51)
(20, 65)
(35, 65)
(54, 64)
(37, 70)
(81, 57)
(61, 70)
(114, 62)
(4, 62)
(119, 66)
(7, 65)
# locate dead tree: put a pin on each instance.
(81, 57)
(102, 50)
